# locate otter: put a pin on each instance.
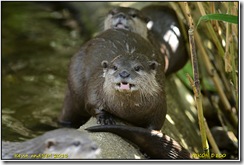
(159, 25)
(127, 18)
(63, 143)
(154, 144)
(167, 31)
(117, 74)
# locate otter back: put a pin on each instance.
(118, 73)
(166, 30)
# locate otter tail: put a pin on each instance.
(154, 143)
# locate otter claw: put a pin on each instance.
(105, 119)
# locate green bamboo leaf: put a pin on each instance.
(220, 17)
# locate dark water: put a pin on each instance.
(37, 44)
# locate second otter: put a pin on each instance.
(119, 76)
(166, 30)
(127, 18)
(64, 143)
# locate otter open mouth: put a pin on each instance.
(124, 86)
(121, 26)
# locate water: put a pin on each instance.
(31, 99)
(35, 55)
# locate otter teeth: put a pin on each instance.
(124, 86)
(121, 26)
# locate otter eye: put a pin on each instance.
(113, 11)
(104, 64)
(134, 15)
(153, 65)
(137, 68)
(76, 143)
(50, 142)
(114, 67)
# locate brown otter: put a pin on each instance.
(155, 144)
(118, 73)
(65, 143)
(127, 18)
(160, 25)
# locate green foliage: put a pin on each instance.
(220, 17)
(206, 81)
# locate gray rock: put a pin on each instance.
(112, 146)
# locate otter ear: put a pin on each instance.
(104, 64)
(145, 18)
(50, 143)
(153, 65)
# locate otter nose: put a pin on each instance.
(120, 15)
(124, 74)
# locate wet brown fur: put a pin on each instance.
(88, 96)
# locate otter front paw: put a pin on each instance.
(105, 118)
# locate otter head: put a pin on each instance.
(130, 74)
(127, 18)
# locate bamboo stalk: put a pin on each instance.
(229, 54)
(224, 122)
(211, 139)
(234, 11)
(213, 22)
(213, 73)
(234, 74)
(216, 80)
(211, 31)
(234, 54)
(200, 118)
(196, 85)
(227, 58)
